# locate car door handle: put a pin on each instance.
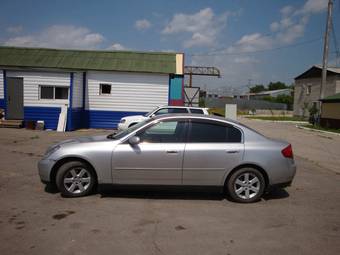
(231, 152)
(172, 152)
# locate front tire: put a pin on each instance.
(75, 179)
(246, 185)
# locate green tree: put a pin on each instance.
(283, 99)
(277, 85)
(257, 88)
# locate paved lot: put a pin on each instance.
(303, 219)
(320, 148)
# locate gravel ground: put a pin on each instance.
(302, 219)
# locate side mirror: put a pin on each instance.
(134, 140)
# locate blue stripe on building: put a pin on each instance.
(50, 115)
(107, 119)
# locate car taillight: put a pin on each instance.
(288, 151)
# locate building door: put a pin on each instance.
(14, 98)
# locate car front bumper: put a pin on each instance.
(121, 126)
(45, 168)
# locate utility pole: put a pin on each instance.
(325, 49)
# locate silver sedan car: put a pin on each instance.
(186, 149)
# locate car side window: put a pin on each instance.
(178, 110)
(198, 111)
(162, 111)
(209, 132)
(164, 132)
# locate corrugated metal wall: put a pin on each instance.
(1, 84)
(32, 81)
(2, 100)
(41, 109)
(77, 98)
(130, 92)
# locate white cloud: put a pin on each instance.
(14, 29)
(251, 42)
(142, 24)
(290, 27)
(237, 68)
(275, 26)
(313, 6)
(245, 60)
(203, 27)
(60, 36)
(287, 10)
(117, 46)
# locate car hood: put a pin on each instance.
(83, 139)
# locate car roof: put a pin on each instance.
(177, 106)
(195, 116)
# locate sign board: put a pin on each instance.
(231, 111)
(191, 96)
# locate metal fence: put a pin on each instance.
(244, 104)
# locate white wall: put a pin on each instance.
(1, 84)
(129, 91)
(77, 98)
(32, 81)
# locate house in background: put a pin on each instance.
(330, 111)
(98, 87)
(307, 88)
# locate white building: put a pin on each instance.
(98, 87)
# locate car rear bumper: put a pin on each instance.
(45, 168)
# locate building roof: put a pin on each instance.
(127, 61)
(333, 98)
(269, 92)
(316, 71)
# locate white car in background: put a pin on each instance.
(129, 121)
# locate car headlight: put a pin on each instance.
(51, 150)
(122, 121)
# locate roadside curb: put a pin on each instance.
(316, 130)
(281, 121)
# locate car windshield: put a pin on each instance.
(123, 133)
(149, 113)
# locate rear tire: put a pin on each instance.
(246, 185)
(75, 179)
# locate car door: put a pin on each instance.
(213, 148)
(157, 159)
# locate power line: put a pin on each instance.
(255, 51)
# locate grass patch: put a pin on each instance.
(277, 118)
(333, 130)
(217, 111)
(221, 112)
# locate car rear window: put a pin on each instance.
(210, 132)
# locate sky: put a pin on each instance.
(249, 41)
